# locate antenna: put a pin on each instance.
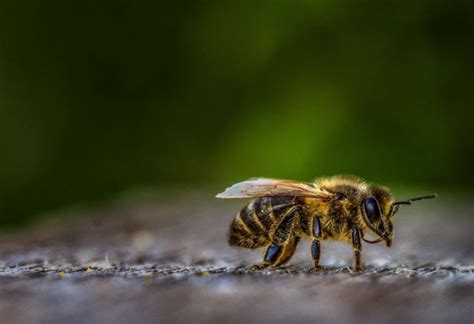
(410, 201)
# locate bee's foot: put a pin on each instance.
(259, 267)
(358, 269)
(317, 267)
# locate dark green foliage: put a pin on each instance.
(97, 97)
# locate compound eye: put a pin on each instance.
(372, 210)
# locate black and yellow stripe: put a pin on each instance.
(263, 211)
(247, 229)
(249, 218)
(251, 227)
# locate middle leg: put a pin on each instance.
(316, 244)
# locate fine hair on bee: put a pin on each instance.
(281, 212)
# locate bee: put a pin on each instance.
(342, 208)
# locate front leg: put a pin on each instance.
(357, 248)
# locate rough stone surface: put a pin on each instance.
(167, 260)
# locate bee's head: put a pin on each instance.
(378, 209)
(378, 213)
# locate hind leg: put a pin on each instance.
(287, 252)
(283, 241)
(274, 251)
(278, 255)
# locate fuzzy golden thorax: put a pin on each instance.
(368, 207)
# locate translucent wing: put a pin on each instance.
(263, 187)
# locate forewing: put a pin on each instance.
(263, 187)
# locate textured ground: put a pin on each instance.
(167, 260)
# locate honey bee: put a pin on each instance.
(340, 208)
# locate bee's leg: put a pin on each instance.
(316, 245)
(357, 248)
(287, 252)
(273, 253)
(260, 266)
(283, 240)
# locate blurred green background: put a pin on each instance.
(100, 97)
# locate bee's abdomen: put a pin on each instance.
(263, 208)
(251, 225)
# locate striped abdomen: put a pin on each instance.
(251, 227)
